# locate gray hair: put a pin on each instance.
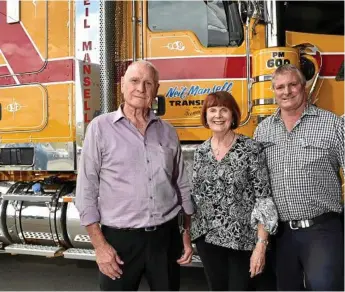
(286, 69)
(148, 65)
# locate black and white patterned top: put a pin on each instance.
(232, 195)
(304, 164)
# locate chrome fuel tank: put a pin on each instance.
(35, 217)
(77, 234)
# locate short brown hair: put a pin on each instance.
(221, 98)
(289, 68)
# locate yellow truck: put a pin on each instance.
(60, 66)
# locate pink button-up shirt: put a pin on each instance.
(128, 180)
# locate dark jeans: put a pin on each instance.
(225, 269)
(152, 254)
(314, 255)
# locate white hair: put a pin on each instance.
(149, 65)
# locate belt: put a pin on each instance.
(145, 229)
(142, 229)
(297, 224)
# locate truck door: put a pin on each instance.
(198, 48)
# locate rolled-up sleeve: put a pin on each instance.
(182, 183)
(87, 190)
(265, 211)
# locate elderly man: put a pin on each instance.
(131, 186)
(304, 146)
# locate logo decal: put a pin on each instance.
(14, 107)
(177, 46)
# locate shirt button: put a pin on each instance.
(149, 179)
(148, 161)
(151, 197)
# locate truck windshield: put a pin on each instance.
(207, 19)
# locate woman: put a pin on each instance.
(235, 212)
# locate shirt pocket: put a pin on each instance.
(315, 152)
(273, 154)
(167, 158)
(164, 158)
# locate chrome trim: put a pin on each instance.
(262, 78)
(264, 101)
(59, 220)
(59, 225)
(107, 56)
(35, 224)
(54, 219)
(74, 230)
(27, 198)
(82, 238)
(271, 27)
(249, 85)
(134, 31)
(142, 29)
(80, 254)
(38, 250)
(4, 233)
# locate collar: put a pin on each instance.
(118, 115)
(309, 110)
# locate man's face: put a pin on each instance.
(289, 92)
(139, 87)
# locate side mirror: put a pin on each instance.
(158, 105)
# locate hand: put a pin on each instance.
(108, 261)
(257, 260)
(186, 258)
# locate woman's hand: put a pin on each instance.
(186, 258)
(257, 260)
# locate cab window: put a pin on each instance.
(209, 20)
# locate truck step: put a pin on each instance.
(28, 197)
(39, 250)
(80, 254)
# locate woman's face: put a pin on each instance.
(219, 118)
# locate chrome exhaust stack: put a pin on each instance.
(107, 56)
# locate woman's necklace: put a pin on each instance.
(216, 151)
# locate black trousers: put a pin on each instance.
(225, 269)
(311, 257)
(150, 253)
